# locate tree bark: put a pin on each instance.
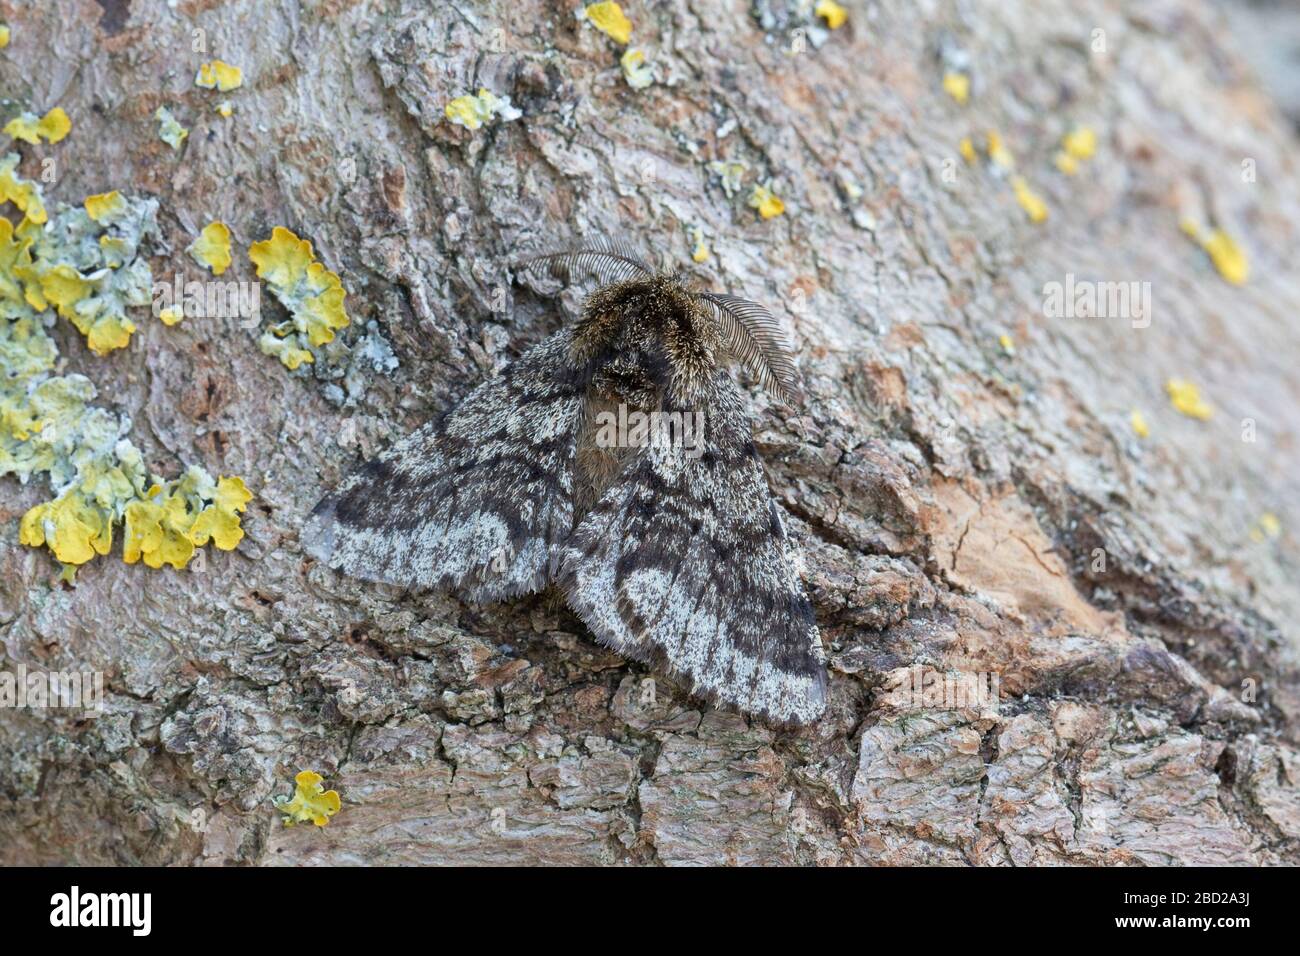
(962, 505)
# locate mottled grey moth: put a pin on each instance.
(672, 553)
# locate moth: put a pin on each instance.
(674, 556)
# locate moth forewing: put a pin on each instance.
(663, 539)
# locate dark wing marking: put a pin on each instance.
(754, 337)
(478, 502)
(682, 564)
(607, 260)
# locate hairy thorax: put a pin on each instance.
(648, 346)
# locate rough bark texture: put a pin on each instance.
(948, 498)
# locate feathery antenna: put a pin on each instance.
(604, 259)
(753, 336)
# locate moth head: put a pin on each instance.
(658, 320)
(695, 326)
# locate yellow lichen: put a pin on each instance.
(171, 315)
(104, 207)
(55, 125)
(12, 251)
(635, 70)
(957, 85)
(730, 173)
(16, 269)
(1007, 343)
(289, 354)
(167, 523)
(313, 295)
(310, 802)
(163, 525)
(472, 111)
(44, 423)
(157, 532)
(609, 19)
(1186, 398)
(114, 250)
(967, 150)
(1268, 526)
(107, 487)
(699, 248)
(1077, 145)
(465, 111)
(106, 334)
(999, 155)
(170, 131)
(87, 266)
(84, 264)
(23, 193)
(1080, 142)
(212, 247)
(218, 75)
(1029, 200)
(73, 296)
(4, 36)
(766, 202)
(63, 287)
(220, 521)
(1228, 257)
(224, 109)
(830, 11)
(52, 127)
(1138, 422)
(74, 530)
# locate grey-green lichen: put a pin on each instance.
(86, 264)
